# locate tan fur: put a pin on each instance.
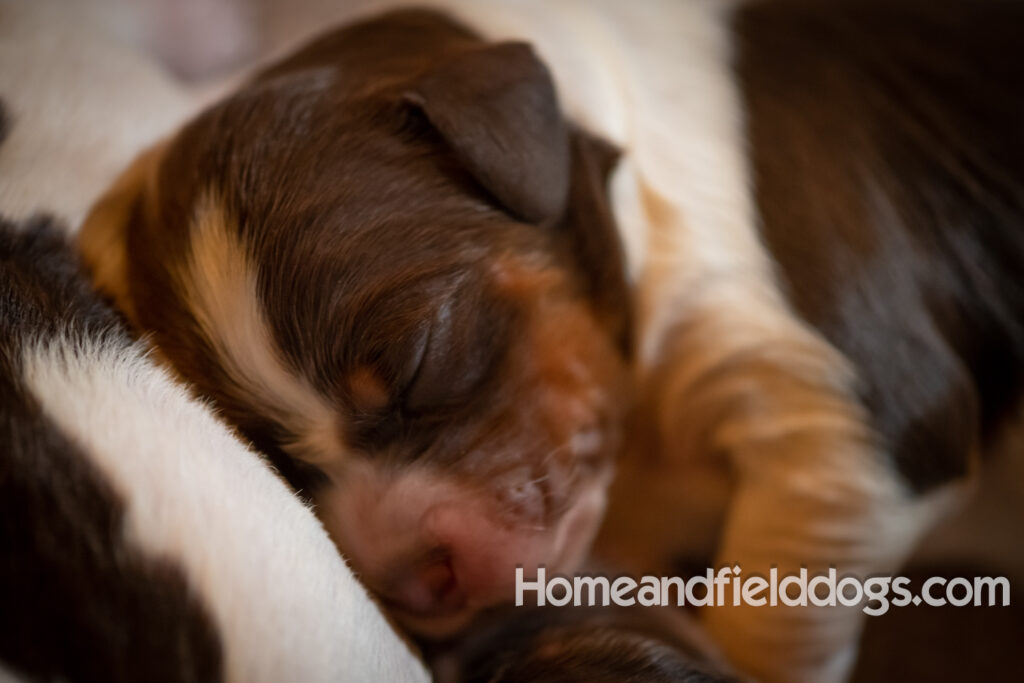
(102, 239)
(219, 285)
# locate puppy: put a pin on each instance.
(375, 272)
(391, 259)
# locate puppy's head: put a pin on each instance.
(390, 261)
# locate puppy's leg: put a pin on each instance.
(755, 391)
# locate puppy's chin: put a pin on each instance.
(432, 627)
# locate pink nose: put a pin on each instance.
(473, 563)
(430, 588)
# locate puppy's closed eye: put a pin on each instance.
(429, 373)
(460, 349)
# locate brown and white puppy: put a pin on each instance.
(394, 270)
(368, 256)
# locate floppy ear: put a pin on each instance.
(593, 236)
(102, 239)
(496, 108)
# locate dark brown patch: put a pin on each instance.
(593, 241)
(580, 645)
(496, 108)
(889, 157)
(78, 602)
(943, 644)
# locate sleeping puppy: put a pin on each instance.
(370, 259)
(391, 259)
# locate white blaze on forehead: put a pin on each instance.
(219, 284)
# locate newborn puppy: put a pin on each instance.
(396, 272)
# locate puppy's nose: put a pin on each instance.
(473, 564)
(430, 588)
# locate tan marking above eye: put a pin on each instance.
(519, 277)
(369, 393)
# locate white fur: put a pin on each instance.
(286, 606)
(81, 106)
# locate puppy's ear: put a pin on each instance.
(103, 238)
(496, 108)
(593, 237)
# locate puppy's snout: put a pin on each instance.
(429, 587)
(437, 553)
(472, 564)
